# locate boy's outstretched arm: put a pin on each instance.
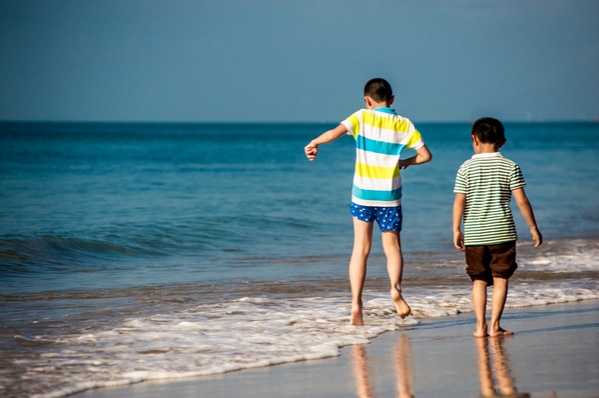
(423, 155)
(458, 213)
(529, 215)
(311, 149)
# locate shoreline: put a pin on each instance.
(552, 354)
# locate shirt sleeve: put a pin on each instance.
(415, 141)
(461, 182)
(352, 124)
(516, 178)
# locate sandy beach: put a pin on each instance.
(554, 353)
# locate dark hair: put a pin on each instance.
(488, 130)
(378, 89)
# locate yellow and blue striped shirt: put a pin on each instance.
(380, 136)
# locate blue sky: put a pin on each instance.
(297, 61)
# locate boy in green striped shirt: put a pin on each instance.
(484, 186)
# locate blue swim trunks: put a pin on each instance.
(388, 218)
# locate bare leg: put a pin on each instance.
(479, 299)
(499, 297)
(357, 267)
(392, 248)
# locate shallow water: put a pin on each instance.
(143, 251)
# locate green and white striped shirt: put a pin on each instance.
(487, 180)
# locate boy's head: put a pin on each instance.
(489, 131)
(379, 90)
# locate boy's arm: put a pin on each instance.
(458, 213)
(311, 149)
(423, 155)
(529, 216)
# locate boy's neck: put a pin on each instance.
(380, 105)
(372, 104)
(486, 148)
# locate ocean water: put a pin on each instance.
(131, 252)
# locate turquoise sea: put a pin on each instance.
(133, 251)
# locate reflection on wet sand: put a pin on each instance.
(505, 381)
(495, 373)
(362, 373)
(403, 367)
(402, 357)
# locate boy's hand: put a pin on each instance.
(311, 151)
(536, 236)
(423, 155)
(458, 240)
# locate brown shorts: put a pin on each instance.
(491, 261)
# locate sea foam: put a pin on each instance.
(252, 332)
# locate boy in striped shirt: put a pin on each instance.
(484, 186)
(380, 136)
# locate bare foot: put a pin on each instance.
(402, 308)
(356, 316)
(481, 331)
(499, 332)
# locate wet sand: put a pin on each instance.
(553, 353)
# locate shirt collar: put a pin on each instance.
(385, 110)
(487, 155)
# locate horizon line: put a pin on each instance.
(466, 121)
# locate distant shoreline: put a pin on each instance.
(281, 123)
